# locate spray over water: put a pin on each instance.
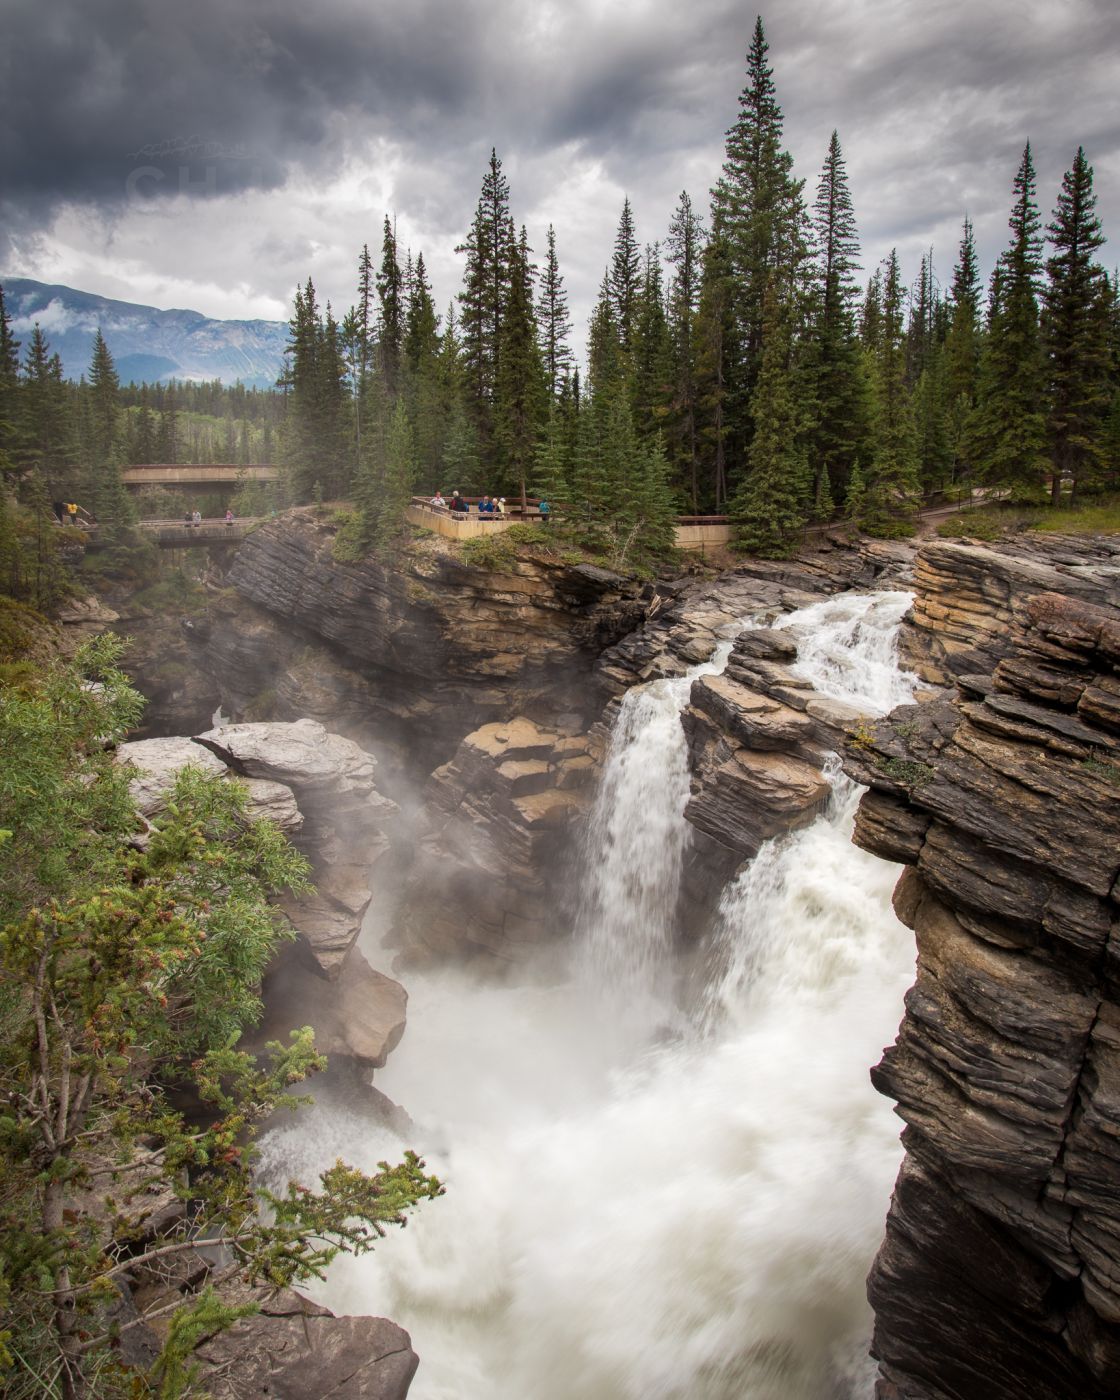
(685, 1220)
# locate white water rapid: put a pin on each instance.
(636, 1216)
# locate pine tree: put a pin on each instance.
(759, 204)
(768, 509)
(839, 429)
(625, 276)
(962, 351)
(424, 390)
(890, 483)
(1077, 306)
(9, 388)
(390, 324)
(520, 391)
(684, 250)
(487, 285)
(651, 372)
(554, 321)
(1008, 436)
(717, 362)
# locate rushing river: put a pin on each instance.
(643, 1201)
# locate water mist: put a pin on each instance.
(642, 1203)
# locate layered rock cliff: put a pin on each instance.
(999, 1277)
(408, 657)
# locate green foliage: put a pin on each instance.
(496, 553)
(905, 771)
(131, 955)
(768, 510)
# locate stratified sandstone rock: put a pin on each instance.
(488, 873)
(412, 655)
(970, 598)
(1000, 1274)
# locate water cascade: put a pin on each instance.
(681, 1217)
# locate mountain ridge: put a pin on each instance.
(146, 343)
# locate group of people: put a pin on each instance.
(192, 519)
(489, 507)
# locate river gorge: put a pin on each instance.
(592, 922)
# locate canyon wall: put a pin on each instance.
(999, 1277)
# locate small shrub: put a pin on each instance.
(861, 737)
(904, 770)
(495, 553)
(348, 547)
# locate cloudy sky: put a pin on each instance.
(212, 154)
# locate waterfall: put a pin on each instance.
(637, 835)
(689, 1218)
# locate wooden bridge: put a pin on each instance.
(177, 534)
(217, 474)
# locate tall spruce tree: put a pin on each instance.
(107, 495)
(650, 354)
(625, 276)
(759, 204)
(717, 362)
(1077, 308)
(1009, 428)
(890, 484)
(46, 441)
(490, 249)
(9, 388)
(391, 303)
(684, 251)
(839, 430)
(554, 320)
(520, 390)
(768, 508)
(962, 352)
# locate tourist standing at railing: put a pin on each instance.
(229, 518)
(197, 520)
(458, 504)
(437, 500)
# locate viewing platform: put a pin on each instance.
(694, 533)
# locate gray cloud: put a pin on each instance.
(123, 108)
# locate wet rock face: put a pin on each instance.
(1000, 1273)
(490, 871)
(417, 654)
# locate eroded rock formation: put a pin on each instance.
(1000, 1274)
(489, 873)
(413, 655)
(319, 789)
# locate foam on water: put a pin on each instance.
(630, 1213)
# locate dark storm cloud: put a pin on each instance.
(112, 104)
(92, 94)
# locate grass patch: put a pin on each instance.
(1099, 517)
(1102, 768)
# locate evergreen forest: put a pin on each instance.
(742, 366)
